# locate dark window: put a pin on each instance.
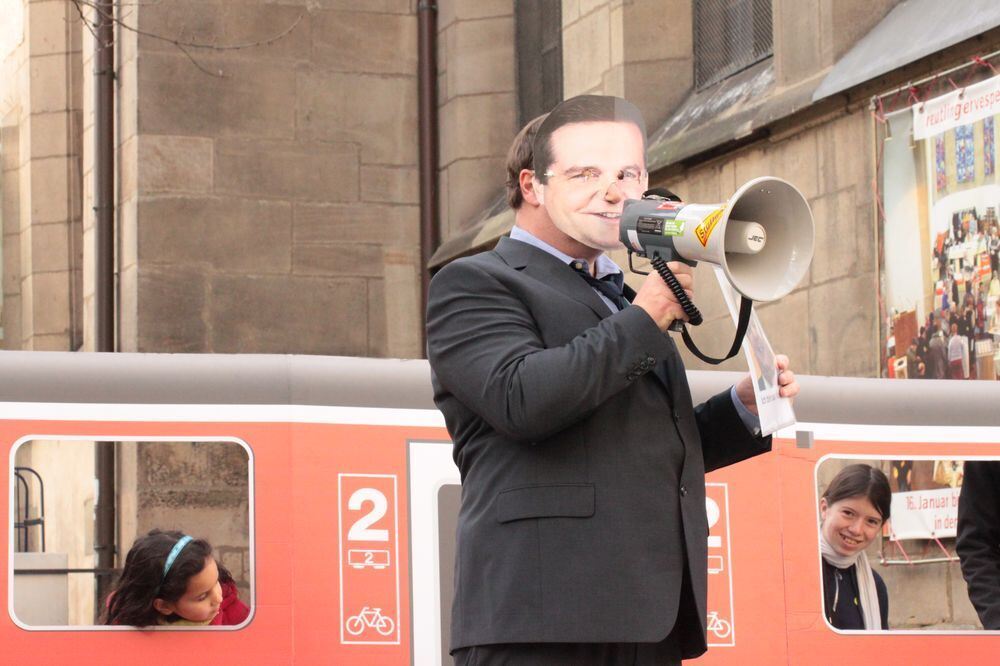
(729, 36)
(539, 57)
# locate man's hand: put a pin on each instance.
(788, 387)
(655, 297)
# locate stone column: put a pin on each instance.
(811, 35)
(478, 105)
(48, 176)
(638, 49)
(10, 305)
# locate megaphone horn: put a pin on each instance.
(762, 237)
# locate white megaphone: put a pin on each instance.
(762, 237)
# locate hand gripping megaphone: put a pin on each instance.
(762, 238)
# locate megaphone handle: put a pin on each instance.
(694, 316)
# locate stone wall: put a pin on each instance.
(637, 49)
(42, 248)
(477, 105)
(10, 234)
(272, 208)
(811, 35)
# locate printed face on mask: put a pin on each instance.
(596, 167)
(850, 524)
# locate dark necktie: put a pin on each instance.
(610, 285)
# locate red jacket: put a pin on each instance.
(232, 610)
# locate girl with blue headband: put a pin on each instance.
(172, 579)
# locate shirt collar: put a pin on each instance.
(605, 266)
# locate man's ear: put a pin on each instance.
(532, 195)
(163, 607)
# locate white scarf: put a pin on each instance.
(868, 596)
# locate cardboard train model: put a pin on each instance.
(351, 497)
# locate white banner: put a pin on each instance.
(956, 108)
(924, 514)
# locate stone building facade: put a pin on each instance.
(265, 204)
(271, 205)
(644, 51)
(760, 121)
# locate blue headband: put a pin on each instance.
(174, 552)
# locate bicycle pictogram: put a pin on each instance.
(370, 617)
(718, 626)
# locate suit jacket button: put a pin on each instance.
(684, 491)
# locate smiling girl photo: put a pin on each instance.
(852, 511)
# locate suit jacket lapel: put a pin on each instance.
(548, 269)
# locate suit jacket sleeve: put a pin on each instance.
(485, 348)
(978, 542)
(725, 439)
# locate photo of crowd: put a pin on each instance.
(942, 318)
(965, 321)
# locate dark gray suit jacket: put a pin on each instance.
(582, 459)
(978, 542)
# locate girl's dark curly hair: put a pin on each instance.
(142, 579)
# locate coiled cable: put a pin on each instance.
(692, 312)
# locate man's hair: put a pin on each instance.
(582, 109)
(519, 157)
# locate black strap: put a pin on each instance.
(746, 306)
(694, 316)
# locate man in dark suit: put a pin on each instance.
(582, 532)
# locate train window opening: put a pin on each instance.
(187, 505)
(916, 556)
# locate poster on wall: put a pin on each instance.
(939, 196)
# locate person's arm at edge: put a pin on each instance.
(978, 538)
